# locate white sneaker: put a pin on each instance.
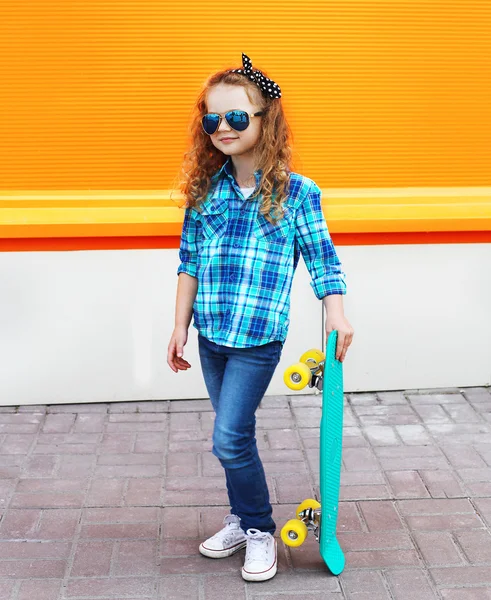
(260, 561)
(227, 541)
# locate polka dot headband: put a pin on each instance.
(267, 86)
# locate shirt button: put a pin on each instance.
(232, 277)
(236, 245)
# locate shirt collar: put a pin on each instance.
(226, 171)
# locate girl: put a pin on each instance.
(248, 217)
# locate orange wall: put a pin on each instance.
(96, 94)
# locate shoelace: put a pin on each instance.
(226, 534)
(256, 545)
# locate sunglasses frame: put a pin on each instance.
(220, 118)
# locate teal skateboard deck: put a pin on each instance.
(326, 373)
(330, 457)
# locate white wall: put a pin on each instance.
(94, 326)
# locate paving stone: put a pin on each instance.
(121, 515)
(182, 522)
(136, 558)
(380, 516)
(40, 466)
(40, 589)
(14, 443)
(477, 394)
(119, 531)
(85, 407)
(410, 583)
(363, 399)
(381, 435)
(144, 492)
(105, 492)
(33, 550)
(181, 465)
(150, 442)
(414, 435)
(177, 406)
(461, 576)
(308, 400)
(185, 565)
(26, 569)
(59, 524)
(283, 439)
(407, 484)
(111, 587)
(444, 399)
(477, 593)
(365, 492)
(463, 457)
(386, 415)
(476, 545)
(125, 427)
(438, 548)
(89, 423)
(392, 397)
(411, 457)
(92, 559)
(153, 406)
(179, 587)
(58, 423)
(359, 459)
(121, 443)
(361, 585)
(442, 484)
(73, 465)
(216, 586)
(7, 586)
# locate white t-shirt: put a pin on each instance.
(247, 191)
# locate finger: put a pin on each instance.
(340, 345)
(182, 365)
(347, 344)
(170, 356)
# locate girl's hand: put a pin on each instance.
(345, 333)
(175, 350)
(336, 320)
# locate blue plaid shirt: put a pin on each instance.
(245, 264)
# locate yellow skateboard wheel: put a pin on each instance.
(312, 357)
(306, 504)
(297, 376)
(294, 533)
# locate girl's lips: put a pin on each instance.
(228, 140)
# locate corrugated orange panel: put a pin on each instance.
(97, 94)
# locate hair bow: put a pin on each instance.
(267, 86)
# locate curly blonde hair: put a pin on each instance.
(272, 153)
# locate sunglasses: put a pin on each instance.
(237, 119)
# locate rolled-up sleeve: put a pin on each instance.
(189, 247)
(314, 240)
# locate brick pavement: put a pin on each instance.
(111, 500)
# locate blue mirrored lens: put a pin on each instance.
(210, 123)
(238, 119)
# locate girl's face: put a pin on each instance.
(222, 98)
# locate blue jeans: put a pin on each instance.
(236, 379)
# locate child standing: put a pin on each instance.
(248, 218)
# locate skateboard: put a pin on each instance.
(326, 373)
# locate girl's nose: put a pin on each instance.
(224, 126)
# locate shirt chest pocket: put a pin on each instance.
(214, 220)
(278, 232)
